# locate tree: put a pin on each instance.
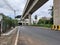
(51, 20)
(8, 22)
(40, 21)
(43, 20)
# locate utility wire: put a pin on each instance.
(6, 2)
(8, 5)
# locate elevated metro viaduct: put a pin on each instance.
(32, 5)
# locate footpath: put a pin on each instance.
(9, 37)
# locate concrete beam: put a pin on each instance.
(33, 7)
(27, 6)
(30, 8)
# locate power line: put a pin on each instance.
(8, 5)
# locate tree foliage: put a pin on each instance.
(8, 23)
(51, 20)
(43, 21)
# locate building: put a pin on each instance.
(21, 22)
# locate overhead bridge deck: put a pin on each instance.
(31, 6)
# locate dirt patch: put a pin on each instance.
(8, 40)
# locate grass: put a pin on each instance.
(43, 25)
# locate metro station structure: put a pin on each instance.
(32, 5)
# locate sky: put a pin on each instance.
(19, 5)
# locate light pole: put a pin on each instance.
(14, 12)
(0, 24)
(36, 19)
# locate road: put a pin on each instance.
(29, 35)
(38, 36)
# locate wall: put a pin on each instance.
(56, 12)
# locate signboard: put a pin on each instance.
(35, 16)
(0, 17)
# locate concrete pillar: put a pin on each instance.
(29, 19)
(23, 22)
(56, 12)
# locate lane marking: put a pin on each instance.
(16, 41)
(10, 32)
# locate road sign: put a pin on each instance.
(0, 17)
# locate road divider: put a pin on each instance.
(55, 27)
(58, 27)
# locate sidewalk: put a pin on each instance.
(8, 38)
(8, 33)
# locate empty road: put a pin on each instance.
(38, 36)
(29, 35)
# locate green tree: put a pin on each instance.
(51, 20)
(40, 21)
(8, 23)
(43, 20)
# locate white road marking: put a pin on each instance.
(8, 33)
(17, 38)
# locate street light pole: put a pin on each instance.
(0, 28)
(0, 24)
(15, 12)
(14, 15)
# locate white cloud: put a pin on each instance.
(43, 11)
(19, 5)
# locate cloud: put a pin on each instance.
(17, 5)
(43, 11)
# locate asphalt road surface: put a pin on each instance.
(38, 36)
(29, 35)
